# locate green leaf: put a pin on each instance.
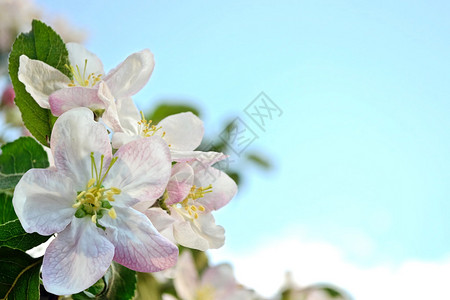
(6, 208)
(12, 235)
(121, 284)
(164, 110)
(18, 157)
(92, 292)
(148, 287)
(259, 160)
(332, 292)
(19, 275)
(44, 44)
(235, 176)
(8, 182)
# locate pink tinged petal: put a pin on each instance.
(180, 183)
(201, 233)
(131, 75)
(110, 116)
(186, 280)
(78, 257)
(43, 201)
(221, 277)
(73, 97)
(206, 159)
(78, 55)
(75, 135)
(183, 131)
(138, 245)
(40, 79)
(159, 218)
(223, 188)
(141, 171)
(198, 159)
(142, 206)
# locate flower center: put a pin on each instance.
(95, 200)
(146, 128)
(80, 79)
(188, 203)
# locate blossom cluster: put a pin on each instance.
(120, 187)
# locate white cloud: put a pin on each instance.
(264, 266)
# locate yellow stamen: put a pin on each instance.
(115, 190)
(90, 182)
(146, 128)
(194, 194)
(112, 213)
(110, 196)
(96, 198)
(80, 78)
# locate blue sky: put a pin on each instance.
(362, 146)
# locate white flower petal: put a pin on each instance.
(121, 138)
(78, 56)
(75, 135)
(159, 218)
(124, 121)
(129, 115)
(40, 79)
(138, 245)
(110, 116)
(43, 201)
(183, 131)
(142, 170)
(77, 258)
(220, 277)
(39, 250)
(201, 233)
(186, 280)
(198, 159)
(223, 188)
(131, 75)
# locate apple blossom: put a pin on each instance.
(87, 199)
(89, 87)
(194, 191)
(183, 131)
(216, 283)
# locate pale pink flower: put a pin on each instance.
(89, 87)
(216, 283)
(8, 96)
(183, 131)
(194, 191)
(87, 199)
